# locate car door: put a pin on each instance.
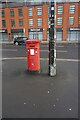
(20, 40)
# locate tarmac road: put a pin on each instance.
(29, 95)
(69, 51)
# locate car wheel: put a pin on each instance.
(16, 43)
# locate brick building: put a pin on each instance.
(32, 20)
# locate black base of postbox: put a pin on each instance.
(33, 72)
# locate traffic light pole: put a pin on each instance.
(52, 38)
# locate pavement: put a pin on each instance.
(32, 95)
(37, 95)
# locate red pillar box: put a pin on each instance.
(33, 55)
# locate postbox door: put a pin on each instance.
(33, 59)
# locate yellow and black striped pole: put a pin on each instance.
(52, 39)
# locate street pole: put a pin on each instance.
(52, 38)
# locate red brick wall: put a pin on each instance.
(44, 17)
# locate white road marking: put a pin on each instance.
(45, 46)
(48, 46)
(44, 50)
(25, 58)
(8, 50)
(60, 46)
(61, 51)
(56, 51)
(69, 60)
(60, 59)
(12, 50)
(14, 58)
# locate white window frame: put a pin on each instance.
(59, 21)
(71, 20)
(39, 21)
(60, 9)
(72, 9)
(30, 22)
(30, 11)
(39, 11)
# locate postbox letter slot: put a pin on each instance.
(31, 46)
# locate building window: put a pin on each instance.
(39, 11)
(59, 21)
(3, 23)
(36, 35)
(12, 23)
(72, 9)
(79, 20)
(71, 20)
(3, 14)
(39, 21)
(30, 12)
(20, 12)
(12, 13)
(60, 9)
(40, 35)
(20, 22)
(30, 22)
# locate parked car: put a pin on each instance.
(20, 40)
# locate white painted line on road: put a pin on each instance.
(69, 60)
(56, 51)
(14, 58)
(48, 46)
(60, 46)
(8, 50)
(61, 51)
(44, 50)
(25, 58)
(13, 50)
(58, 59)
(44, 46)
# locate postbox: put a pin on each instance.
(33, 55)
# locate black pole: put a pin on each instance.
(52, 50)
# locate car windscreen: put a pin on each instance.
(24, 38)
